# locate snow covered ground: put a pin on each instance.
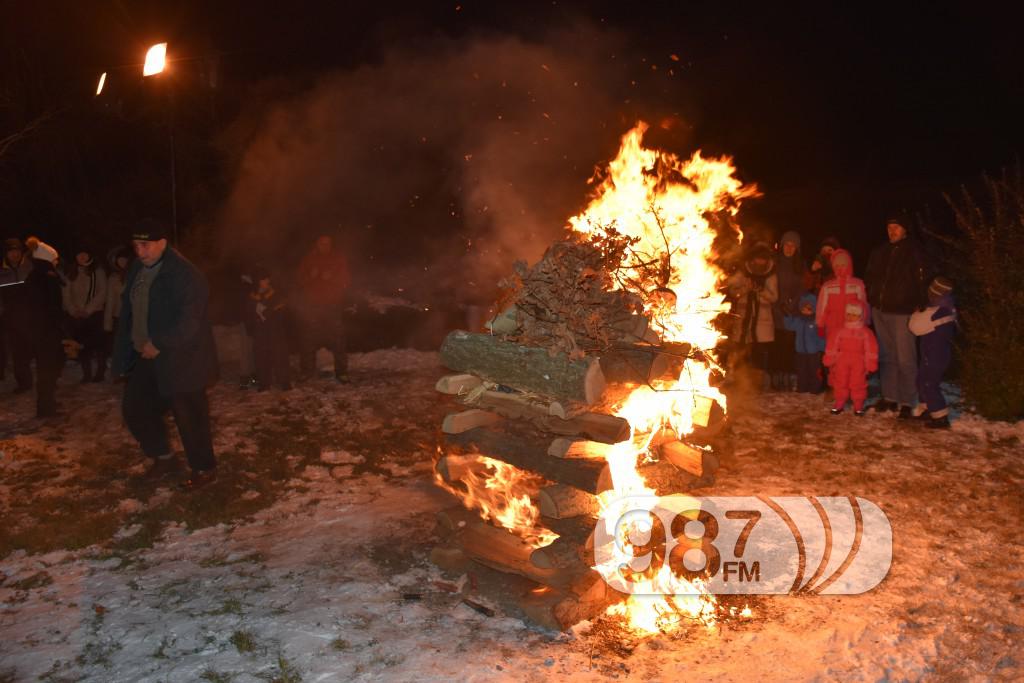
(307, 560)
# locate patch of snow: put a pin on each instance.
(341, 457)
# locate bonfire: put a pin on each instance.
(597, 382)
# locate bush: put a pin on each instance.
(988, 267)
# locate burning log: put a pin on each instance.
(515, 405)
(696, 461)
(456, 423)
(709, 421)
(502, 550)
(565, 418)
(558, 609)
(458, 384)
(642, 363)
(578, 448)
(455, 468)
(592, 475)
(531, 454)
(563, 553)
(524, 367)
(559, 501)
(594, 426)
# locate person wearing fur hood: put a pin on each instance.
(753, 290)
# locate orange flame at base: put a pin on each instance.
(502, 494)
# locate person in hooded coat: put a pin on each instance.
(794, 280)
(852, 354)
(754, 289)
(85, 298)
(935, 326)
(835, 294)
(809, 345)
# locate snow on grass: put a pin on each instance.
(308, 559)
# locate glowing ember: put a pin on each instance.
(664, 203)
(103, 81)
(502, 494)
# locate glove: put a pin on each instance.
(830, 360)
(872, 367)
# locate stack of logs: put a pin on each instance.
(543, 414)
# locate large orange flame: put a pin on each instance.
(665, 203)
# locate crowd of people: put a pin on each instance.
(812, 325)
(145, 310)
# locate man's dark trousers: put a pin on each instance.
(144, 409)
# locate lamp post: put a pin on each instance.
(155, 64)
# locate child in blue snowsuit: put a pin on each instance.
(809, 345)
(936, 326)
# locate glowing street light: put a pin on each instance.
(99, 86)
(156, 59)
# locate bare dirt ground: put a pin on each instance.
(307, 559)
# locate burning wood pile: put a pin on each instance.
(593, 383)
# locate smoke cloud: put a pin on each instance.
(435, 167)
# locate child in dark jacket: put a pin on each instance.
(266, 319)
(936, 326)
(852, 354)
(809, 345)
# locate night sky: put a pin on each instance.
(842, 115)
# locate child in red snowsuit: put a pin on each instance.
(851, 353)
(835, 294)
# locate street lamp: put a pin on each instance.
(156, 62)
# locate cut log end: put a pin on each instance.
(456, 423)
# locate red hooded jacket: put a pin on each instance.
(843, 289)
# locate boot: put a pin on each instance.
(101, 370)
(885, 406)
(938, 423)
(86, 370)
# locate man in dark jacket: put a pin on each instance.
(897, 281)
(165, 347)
(14, 328)
(43, 318)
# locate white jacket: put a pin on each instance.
(86, 294)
